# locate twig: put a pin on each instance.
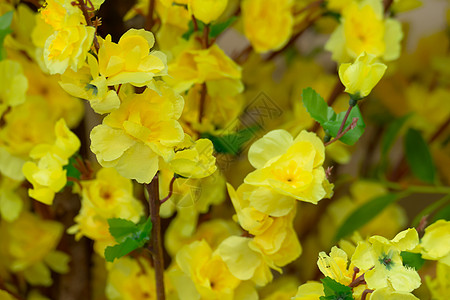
(387, 5)
(84, 9)
(205, 37)
(149, 21)
(359, 280)
(172, 181)
(158, 259)
(202, 102)
(365, 293)
(350, 127)
(345, 119)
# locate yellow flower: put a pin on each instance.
(206, 271)
(107, 196)
(279, 244)
(88, 84)
(244, 262)
(133, 137)
(388, 293)
(47, 175)
(364, 29)
(207, 10)
(194, 159)
(133, 279)
(130, 60)
(383, 264)
(440, 286)
(336, 266)
(68, 47)
(361, 77)
(312, 290)
(291, 167)
(267, 24)
(61, 13)
(435, 243)
(30, 255)
(196, 65)
(13, 85)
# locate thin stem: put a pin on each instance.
(358, 280)
(194, 21)
(73, 179)
(158, 260)
(440, 130)
(350, 127)
(387, 5)
(202, 102)
(84, 9)
(309, 6)
(345, 119)
(365, 293)
(205, 37)
(172, 181)
(417, 188)
(149, 22)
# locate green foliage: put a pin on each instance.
(335, 291)
(443, 214)
(130, 237)
(363, 214)
(230, 143)
(330, 121)
(214, 29)
(418, 156)
(71, 170)
(217, 29)
(5, 29)
(413, 260)
(391, 133)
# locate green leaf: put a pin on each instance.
(129, 235)
(120, 229)
(122, 249)
(217, 29)
(363, 214)
(418, 156)
(430, 209)
(334, 290)
(71, 171)
(391, 133)
(354, 134)
(443, 214)
(5, 29)
(231, 143)
(413, 260)
(190, 31)
(316, 106)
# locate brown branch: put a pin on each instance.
(202, 102)
(365, 293)
(87, 17)
(149, 22)
(387, 5)
(350, 127)
(158, 259)
(345, 119)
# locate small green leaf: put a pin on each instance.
(5, 29)
(316, 106)
(413, 260)
(122, 249)
(334, 290)
(231, 143)
(190, 31)
(418, 156)
(71, 171)
(217, 29)
(354, 134)
(130, 237)
(391, 133)
(121, 229)
(364, 214)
